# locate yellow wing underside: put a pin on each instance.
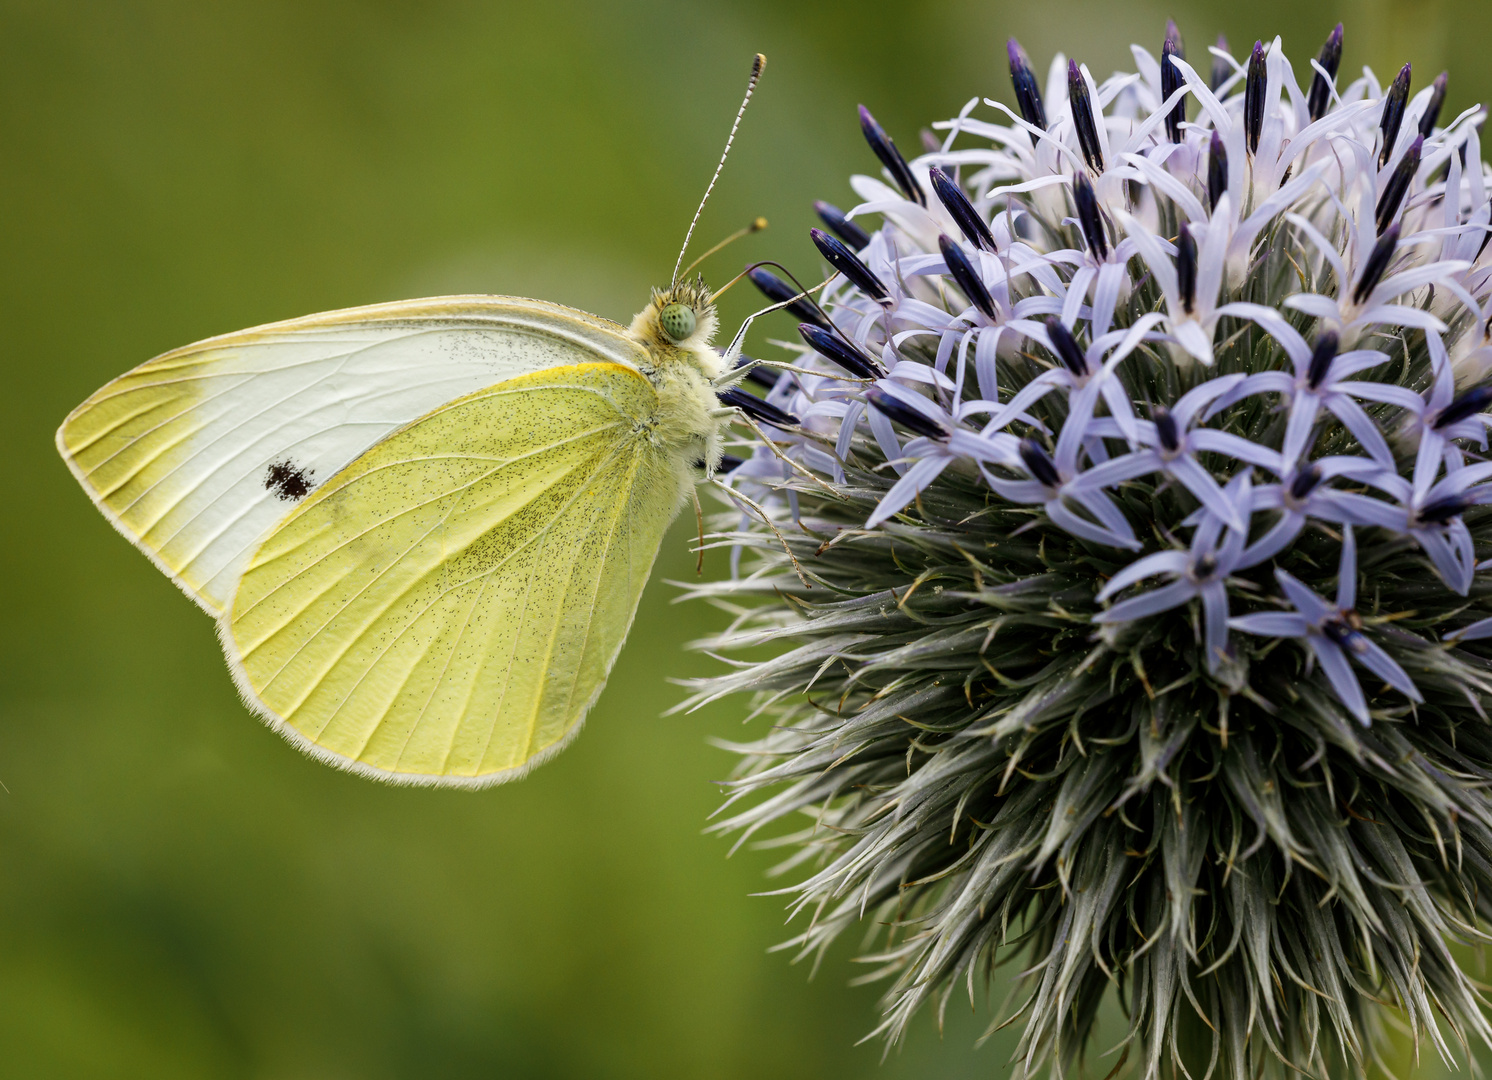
(447, 607)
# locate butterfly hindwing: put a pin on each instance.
(446, 608)
(197, 454)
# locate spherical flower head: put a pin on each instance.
(1118, 595)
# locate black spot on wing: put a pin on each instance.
(287, 480)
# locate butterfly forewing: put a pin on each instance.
(447, 607)
(197, 454)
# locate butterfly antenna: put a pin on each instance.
(756, 226)
(756, 73)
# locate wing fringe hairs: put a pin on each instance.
(1065, 698)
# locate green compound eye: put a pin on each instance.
(677, 321)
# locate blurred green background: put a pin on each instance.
(181, 893)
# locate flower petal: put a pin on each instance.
(1385, 667)
(1065, 519)
(1236, 446)
(1200, 483)
(1215, 623)
(1150, 603)
(1347, 571)
(1162, 562)
(912, 483)
(1274, 324)
(1339, 673)
(1315, 609)
(1281, 624)
(1279, 537)
(1477, 631)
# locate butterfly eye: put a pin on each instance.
(677, 321)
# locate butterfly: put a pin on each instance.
(423, 527)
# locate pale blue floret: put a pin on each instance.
(1328, 631)
(1309, 391)
(1304, 492)
(1199, 572)
(1169, 446)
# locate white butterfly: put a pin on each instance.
(423, 527)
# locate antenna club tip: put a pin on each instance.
(758, 224)
(758, 65)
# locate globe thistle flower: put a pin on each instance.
(1032, 544)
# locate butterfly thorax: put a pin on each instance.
(683, 367)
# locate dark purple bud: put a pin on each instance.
(1082, 117)
(1468, 404)
(1321, 357)
(764, 377)
(961, 210)
(1165, 429)
(1319, 99)
(1217, 170)
(777, 290)
(1305, 481)
(1442, 510)
(1433, 107)
(1027, 92)
(728, 463)
(1066, 347)
(1186, 269)
(1040, 466)
(1376, 264)
(966, 276)
(1253, 98)
(848, 263)
(1393, 114)
(1398, 183)
(830, 345)
(1171, 80)
(756, 408)
(891, 157)
(1222, 71)
(908, 417)
(841, 226)
(1088, 216)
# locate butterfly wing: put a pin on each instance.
(197, 454)
(446, 608)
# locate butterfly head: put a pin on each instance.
(678, 320)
